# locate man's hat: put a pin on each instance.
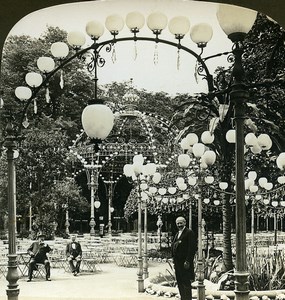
(40, 234)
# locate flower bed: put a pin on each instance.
(160, 286)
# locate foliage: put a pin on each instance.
(64, 195)
(264, 62)
(162, 253)
(266, 270)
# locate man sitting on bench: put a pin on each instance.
(38, 252)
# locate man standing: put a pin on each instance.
(184, 247)
(38, 252)
(74, 253)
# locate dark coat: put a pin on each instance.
(74, 249)
(39, 251)
(184, 249)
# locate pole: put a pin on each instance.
(30, 217)
(190, 213)
(140, 262)
(238, 96)
(275, 227)
(12, 274)
(159, 224)
(145, 257)
(252, 226)
(92, 219)
(200, 264)
(67, 220)
(109, 209)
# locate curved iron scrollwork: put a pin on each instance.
(200, 71)
(231, 58)
(96, 60)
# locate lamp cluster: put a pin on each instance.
(255, 143)
(199, 150)
(231, 18)
(138, 170)
(263, 185)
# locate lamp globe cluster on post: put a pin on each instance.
(203, 157)
(140, 173)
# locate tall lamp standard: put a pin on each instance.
(204, 158)
(137, 171)
(92, 172)
(146, 192)
(12, 275)
(236, 26)
(110, 207)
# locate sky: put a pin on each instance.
(162, 76)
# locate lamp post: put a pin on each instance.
(145, 254)
(204, 159)
(92, 172)
(147, 173)
(30, 217)
(138, 171)
(159, 224)
(238, 97)
(110, 207)
(12, 274)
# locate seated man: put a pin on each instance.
(38, 252)
(74, 253)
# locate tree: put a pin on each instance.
(64, 195)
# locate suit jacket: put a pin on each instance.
(184, 249)
(39, 251)
(74, 249)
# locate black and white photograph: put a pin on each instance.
(142, 150)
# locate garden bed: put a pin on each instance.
(161, 288)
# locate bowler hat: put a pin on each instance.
(40, 234)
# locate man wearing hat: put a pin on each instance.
(184, 247)
(38, 252)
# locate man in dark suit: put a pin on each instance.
(184, 247)
(74, 253)
(38, 252)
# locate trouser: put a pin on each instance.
(184, 285)
(185, 291)
(32, 267)
(77, 265)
